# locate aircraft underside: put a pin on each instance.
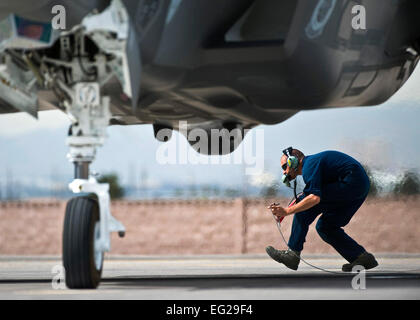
(243, 62)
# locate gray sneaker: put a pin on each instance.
(366, 260)
(289, 258)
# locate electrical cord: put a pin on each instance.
(300, 258)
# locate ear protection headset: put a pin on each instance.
(292, 162)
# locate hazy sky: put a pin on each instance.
(384, 137)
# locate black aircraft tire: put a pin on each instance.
(78, 244)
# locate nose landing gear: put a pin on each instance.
(88, 222)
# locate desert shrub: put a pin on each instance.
(270, 191)
(408, 185)
(116, 191)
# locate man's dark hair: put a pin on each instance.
(297, 153)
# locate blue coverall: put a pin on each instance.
(342, 185)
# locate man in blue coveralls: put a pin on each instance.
(336, 185)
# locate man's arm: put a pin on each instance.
(305, 204)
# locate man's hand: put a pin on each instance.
(278, 210)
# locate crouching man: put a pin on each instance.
(336, 185)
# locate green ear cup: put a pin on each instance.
(292, 162)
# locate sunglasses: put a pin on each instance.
(284, 166)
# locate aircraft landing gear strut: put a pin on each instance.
(88, 222)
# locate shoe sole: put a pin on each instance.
(349, 268)
(271, 252)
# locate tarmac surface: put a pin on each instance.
(215, 277)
